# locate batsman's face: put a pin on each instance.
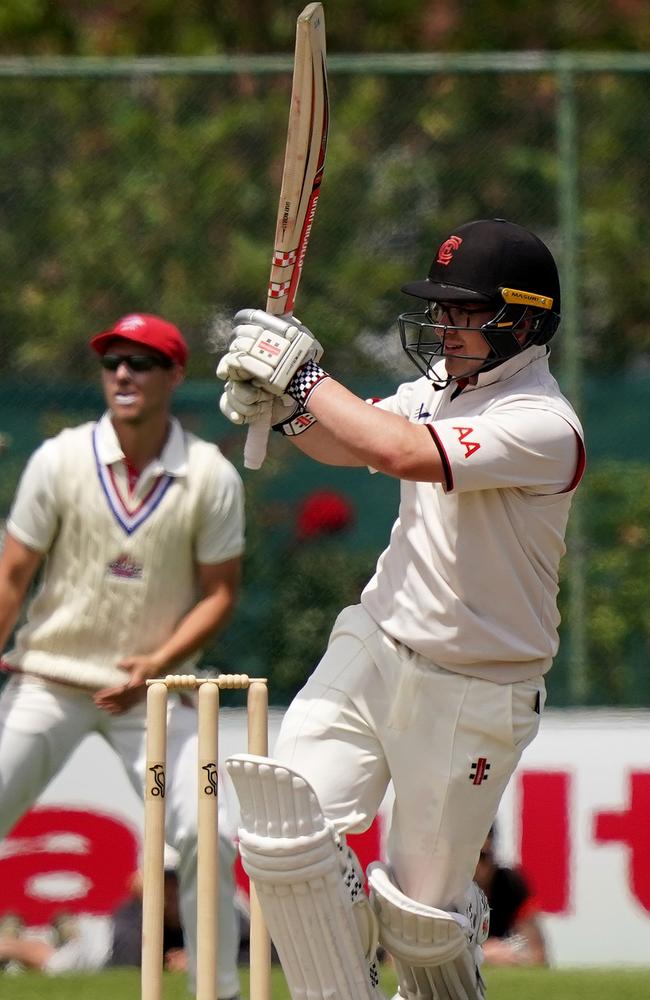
(134, 397)
(464, 347)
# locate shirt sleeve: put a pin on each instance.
(34, 518)
(221, 533)
(526, 448)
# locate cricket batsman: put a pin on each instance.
(435, 680)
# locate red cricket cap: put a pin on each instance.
(143, 328)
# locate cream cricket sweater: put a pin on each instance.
(117, 581)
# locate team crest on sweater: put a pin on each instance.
(125, 568)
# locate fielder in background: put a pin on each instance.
(435, 680)
(139, 527)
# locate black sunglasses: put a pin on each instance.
(136, 362)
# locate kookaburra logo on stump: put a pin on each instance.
(211, 774)
(158, 775)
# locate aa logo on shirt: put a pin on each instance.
(469, 446)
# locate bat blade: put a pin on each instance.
(304, 161)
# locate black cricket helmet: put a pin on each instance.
(488, 264)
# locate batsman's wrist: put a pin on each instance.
(298, 422)
(304, 381)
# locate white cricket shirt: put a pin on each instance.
(470, 576)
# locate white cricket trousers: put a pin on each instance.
(374, 711)
(42, 723)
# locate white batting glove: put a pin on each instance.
(267, 350)
(244, 403)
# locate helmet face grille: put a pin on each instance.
(423, 338)
(420, 343)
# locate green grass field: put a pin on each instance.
(503, 984)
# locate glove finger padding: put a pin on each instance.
(228, 367)
(247, 393)
(241, 411)
(267, 349)
(244, 403)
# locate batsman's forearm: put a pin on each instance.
(318, 443)
(383, 441)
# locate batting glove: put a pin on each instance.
(267, 350)
(244, 403)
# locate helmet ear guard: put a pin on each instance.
(540, 310)
(545, 323)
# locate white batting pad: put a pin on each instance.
(321, 924)
(435, 951)
(411, 930)
(456, 980)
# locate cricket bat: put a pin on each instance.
(304, 161)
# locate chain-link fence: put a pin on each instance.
(153, 185)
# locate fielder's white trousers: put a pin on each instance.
(42, 723)
(374, 711)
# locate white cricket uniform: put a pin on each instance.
(435, 680)
(120, 573)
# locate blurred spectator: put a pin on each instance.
(71, 944)
(515, 937)
(127, 927)
(86, 943)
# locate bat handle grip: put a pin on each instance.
(256, 441)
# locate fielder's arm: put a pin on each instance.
(18, 566)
